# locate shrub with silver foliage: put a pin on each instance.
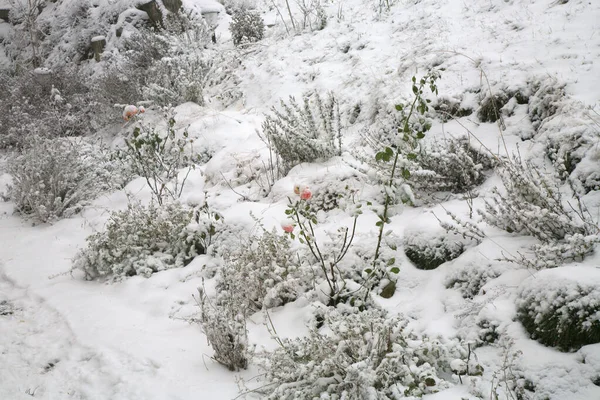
(264, 272)
(305, 133)
(367, 355)
(142, 240)
(225, 328)
(246, 27)
(55, 178)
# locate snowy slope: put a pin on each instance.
(63, 337)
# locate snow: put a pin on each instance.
(63, 337)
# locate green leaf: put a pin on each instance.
(420, 135)
(411, 156)
(289, 212)
(405, 173)
(379, 223)
(391, 261)
(395, 270)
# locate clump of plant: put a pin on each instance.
(224, 325)
(48, 104)
(533, 204)
(358, 356)
(142, 240)
(490, 109)
(429, 252)
(246, 26)
(304, 133)
(263, 273)
(448, 108)
(545, 101)
(560, 308)
(53, 179)
(469, 279)
(158, 157)
(166, 66)
(450, 165)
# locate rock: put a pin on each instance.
(97, 44)
(4, 14)
(154, 13)
(172, 5)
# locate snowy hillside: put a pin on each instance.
(334, 199)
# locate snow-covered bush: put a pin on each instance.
(142, 240)
(246, 27)
(168, 66)
(305, 133)
(158, 157)
(545, 100)
(54, 178)
(430, 251)
(561, 307)
(264, 272)
(367, 355)
(49, 104)
(224, 325)
(533, 204)
(451, 165)
(469, 279)
(490, 109)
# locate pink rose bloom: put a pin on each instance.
(288, 226)
(306, 194)
(129, 111)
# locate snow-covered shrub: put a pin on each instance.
(366, 355)
(448, 108)
(490, 109)
(488, 331)
(451, 165)
(469, 279)
(305, 133)
(142, 240)
(158, 157)
(224, 325)
(533, 204)
(49, 104)
(168, 66)
(573, 248)
(54, 178)
(246, 27)
(430, 251)
(545, 100)
(561, 307)
(264, 272)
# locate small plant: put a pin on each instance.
(53, 179)
(560, 307)
(469, 279)
(303, 216)
(246, 27)
(264, 272)
(533, 204)
(429, 252)
(305, 134)
(362, 355)
(451, 165)
(142, 240)
(158, 158)
(225, 328)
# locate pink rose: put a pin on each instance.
(306, 194)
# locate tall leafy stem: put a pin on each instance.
(412, 127)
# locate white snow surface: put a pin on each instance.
(65, 338)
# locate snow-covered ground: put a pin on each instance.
(62, 337)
